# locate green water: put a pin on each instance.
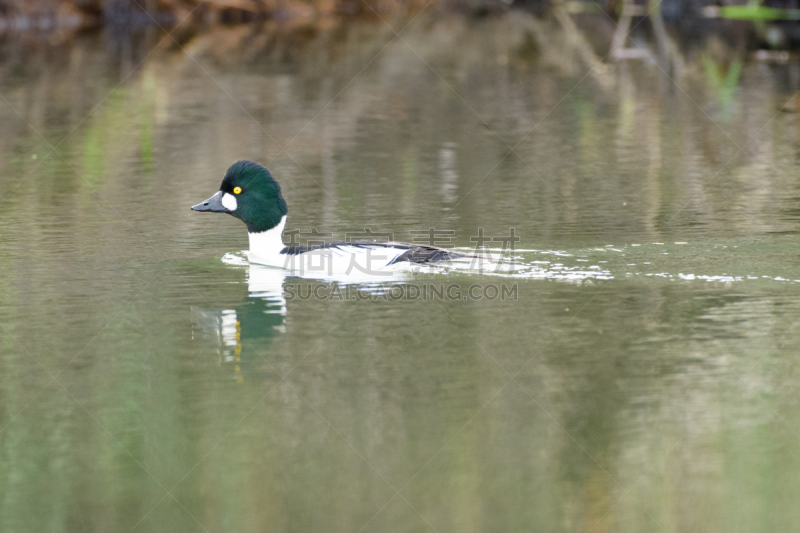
(644, 377)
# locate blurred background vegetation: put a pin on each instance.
(768, 24)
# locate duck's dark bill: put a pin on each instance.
(213, 204)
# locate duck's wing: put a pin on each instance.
(420, 253)
(411, 253)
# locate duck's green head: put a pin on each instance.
(251, 194)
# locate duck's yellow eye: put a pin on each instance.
(237, 190)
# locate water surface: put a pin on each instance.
(642, 377)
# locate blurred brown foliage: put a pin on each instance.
(47, 14)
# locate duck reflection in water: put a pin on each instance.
(258, 319)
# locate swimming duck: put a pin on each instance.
(251, 194)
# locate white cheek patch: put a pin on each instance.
(229, 202)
